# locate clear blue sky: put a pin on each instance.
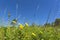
(26, 9)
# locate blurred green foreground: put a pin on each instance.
(30, 33)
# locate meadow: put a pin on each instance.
(29, 33)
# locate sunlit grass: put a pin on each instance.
(30, 33)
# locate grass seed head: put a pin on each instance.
(14, 22)
(33, 34)
(26, 24)
(41, 32)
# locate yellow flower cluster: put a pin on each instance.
(21, 26)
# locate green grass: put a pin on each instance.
(42, 33)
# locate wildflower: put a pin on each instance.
(21, 26)
(33, 34)
(26, 24)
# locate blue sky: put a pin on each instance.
(29, 10)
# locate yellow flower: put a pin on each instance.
(26, 24)
(21, 26)
(33, 34)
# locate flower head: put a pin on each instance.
(21, 26)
